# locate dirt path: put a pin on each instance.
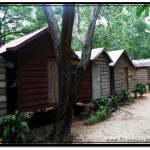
(129, 124)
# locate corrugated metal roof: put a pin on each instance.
(19, 41)
(141, 62)
(94, 53)
(115, 55)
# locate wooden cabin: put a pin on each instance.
(100, 74)
(3, 98)
(32, 83)
(84, 92)
(143, 70)
(122, 72)
(3, 101)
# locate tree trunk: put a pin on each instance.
(68, 80)
(62, 125)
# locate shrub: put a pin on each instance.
(111, 102)
(105, 101)
(1, 128)
(92, 119)
(125, 95)
(141, 88)
(103, 109)
(114, 101)
(15, 129)
(100, 115)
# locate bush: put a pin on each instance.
(111, 102)
(103, 109)
(114, 101)
(125, 95)
(105, 101)
(15, 129)
(100, 115)
(141, 88)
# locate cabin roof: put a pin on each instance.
(94, 53)
(115, 55)
(18, 43)
(141, 62)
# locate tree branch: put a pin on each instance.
(54, 28)
(86, 52)
(66, 37)
(77, 33)
(109, 27)
(6, 10)
(8, 33)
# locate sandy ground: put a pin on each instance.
(131, 123)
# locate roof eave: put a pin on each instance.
(103, 50)
(97, 55)
(27, 41)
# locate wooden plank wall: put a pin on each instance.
(112, 81)
(121, 81)
(105, 76)
(132, 85)
(118, 76)
(32, 74)
(84, 92)
(3, 101)
(142, 75)
(123, 62)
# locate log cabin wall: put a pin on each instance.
(32, 74)
(3, 100)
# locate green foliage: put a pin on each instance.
(100, 115)
(141, 9)
(111, 102)
(141, 88)
(104, 108)
(105, 101)
(20, 19)
(115, 24)
(131, 32)
(114, 101)
(15, 129)
(125, 95)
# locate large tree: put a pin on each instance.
(68, 80)
(118, 25)
(16, 20)
(120, 28)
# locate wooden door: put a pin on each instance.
(125, 78)
(53, 83)
(96, 81)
